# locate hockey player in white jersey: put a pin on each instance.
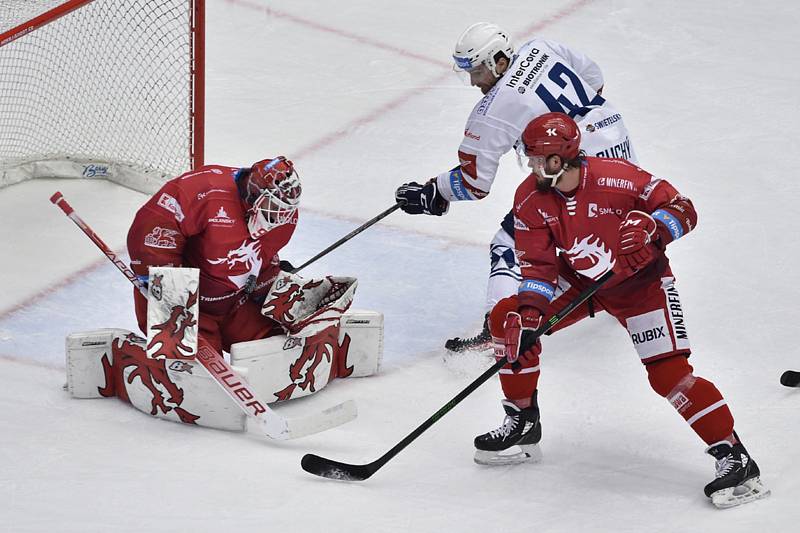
(541, 77)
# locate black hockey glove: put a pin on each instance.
(286, 266)
(416, 199)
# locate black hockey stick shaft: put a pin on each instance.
(320, 466)
(790, 378)
(349, 236)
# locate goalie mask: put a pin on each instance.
(271, 189)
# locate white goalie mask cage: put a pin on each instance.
(272, 190)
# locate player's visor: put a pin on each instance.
(464, 64)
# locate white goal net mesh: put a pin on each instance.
(106, 90)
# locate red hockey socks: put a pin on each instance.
(697, 400)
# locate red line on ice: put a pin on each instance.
(376, 113)
(47, 291)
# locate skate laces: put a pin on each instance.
(727, 464)
(509, 424)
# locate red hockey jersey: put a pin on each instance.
(198, 220)
(585, 226)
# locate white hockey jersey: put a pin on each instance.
(544, 76)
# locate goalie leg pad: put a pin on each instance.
(282, 368)
(86, 352)
(113, 362)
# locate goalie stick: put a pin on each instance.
(347, 237)
(790, 378)
(320, 466)
(271, 423)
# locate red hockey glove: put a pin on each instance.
(635, 234)
(519, 328)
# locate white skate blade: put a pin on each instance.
(749, 491)
(525, 453)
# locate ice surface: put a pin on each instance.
(360, 96)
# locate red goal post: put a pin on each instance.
(101, 89)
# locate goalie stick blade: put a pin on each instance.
(790, 378)
(293, 428)
(319, 466)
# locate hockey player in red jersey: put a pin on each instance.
(538, 77)
(576, 218)
(229, 223)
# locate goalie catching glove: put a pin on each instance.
(307, 306)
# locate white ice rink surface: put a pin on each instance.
(360, 95)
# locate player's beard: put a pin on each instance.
(544, 184)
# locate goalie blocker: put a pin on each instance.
(323, 342)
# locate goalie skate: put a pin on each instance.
(738, 479)
(516, 441)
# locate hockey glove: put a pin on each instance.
(519, 334)
(416, 199)
(636, 233)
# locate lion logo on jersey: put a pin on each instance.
(128, 353)
(248, 255)
(324, 346)
(590, 258)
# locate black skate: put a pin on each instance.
(482, 342)
(737, 480)
(518, 437)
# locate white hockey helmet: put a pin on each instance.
(479, 44)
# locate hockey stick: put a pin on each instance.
(328, 468)
(274, 425)
(347, 237)
(790, 378)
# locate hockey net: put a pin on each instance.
(101, 89)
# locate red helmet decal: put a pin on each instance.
(552, 134)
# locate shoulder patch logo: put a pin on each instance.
(171, 204)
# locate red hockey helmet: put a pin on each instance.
(552, 134)
(272, 190)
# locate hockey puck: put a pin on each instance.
(790, 378)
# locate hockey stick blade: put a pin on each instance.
(322, 467)
(317, 422)
(328, 468)
(790, 378)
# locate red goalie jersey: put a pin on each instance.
(200, 220)
(585, 226)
